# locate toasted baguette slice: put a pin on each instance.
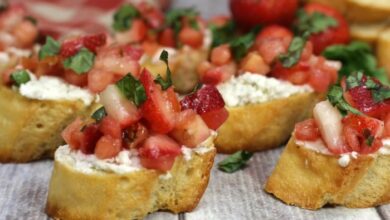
(263, 126)
(102, 195)
(31, 129)
(383, 50)
(311, 180)
(368, 32)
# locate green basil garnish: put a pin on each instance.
(240, 46)
(99, 114)
(124, 16)
(132, 89)
(81, 62)
(20, 77)
(174, 17)
(50, 48)
(235, 161)
(223, 34)
(165, 84)
(335, 96)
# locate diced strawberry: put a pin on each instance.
(157, 109)
(191, 37)
(307, 130)
(362, 133)
(108, 147)
(152, 14)
(254, 63)
(159, 152)
(221, 55)
(172, 97)
(204, 100)
(190, 129)
(71, 47)
(98, 80)
(134, 52)
(109, 126)
(298, 74)
(387, 126)
(215, 118)
(90, 135)
(167, 38)
(322, 75)
(69, 131)
(218, 74)
(75, 79)
(328, 120)
(92, 42)
(135, 135)
(118, 107)
(137, 31)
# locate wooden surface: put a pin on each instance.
(23, 188)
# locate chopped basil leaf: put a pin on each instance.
(124, 16)
(99, 114)
(50, 48)
(20, 77)
(223, 34)
(354, 80)
(132, 89)
(313, 23)
(235, 161)
(80, 63)
(356, 56)
(335, 96)
(174, 17)
(381, 94)
(165, 84)
(294, 52)
(239, 46)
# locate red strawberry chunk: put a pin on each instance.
(204, 100)
(307, 130)
(109, 126)
(108, 147)
(190, 130)
(90, 135)
(68, 133)
(157, 109)
(159, 152)
(70, 47)
(135, 53)
(92, 42)
(214, 119)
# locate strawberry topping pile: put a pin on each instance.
(356, 117)
(145, 114)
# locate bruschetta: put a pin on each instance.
(142, 151)
(341, 156)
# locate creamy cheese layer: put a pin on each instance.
(54, 88)
(126, 161)
(250, 88)
(344, 160)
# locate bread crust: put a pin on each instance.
(311, 180)
(383, 50)
(263, 126)
(31, 129)
(75, 195)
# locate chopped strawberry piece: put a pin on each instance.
(215, 118)
(191, 37)
(70, 47)
(254, 63)
(218, 74)
(387, 126)
(98, 80)
(167, 38)
(322, 75)
(190, 130)
(134, 52)
(362, 134)
(157, 109)
(204, 100)
(298, 74)
(92, 42)
(307, 130)
(118, 107)
(159, 152)
(135, 135)
(69, 131)
(172, 97)
(90, 135)
(109, 126)
(108, 147)
(221, 55)
(75, 79)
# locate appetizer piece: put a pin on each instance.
(49, 89)
(181, 32)
(341, 156)
(269, 80)
(141, 152)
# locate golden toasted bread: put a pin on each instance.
(31, 129)
(368, 32)
(383, 50)
(263, 126)
(311, 180)
(102, 195)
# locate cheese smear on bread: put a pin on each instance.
(250, 88)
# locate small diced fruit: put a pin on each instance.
(387, 126)
(134, 135)
(298, 74)
(75, 79)
(191, 37)
(158, 110)
(328, 120)
(159, 152)
(108, 147)
(98, 80)
(254, 63)
(167, 38)
(215, 118)
(204, 100)
(69, 131)
(109, 126)
(307, 130)
(190, 129)
(133, 52)
(221, 55)
(118, 107)
(90, 135)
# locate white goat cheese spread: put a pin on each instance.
(344, 160)
(54, 88)
(250, 88)
(126, 161)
